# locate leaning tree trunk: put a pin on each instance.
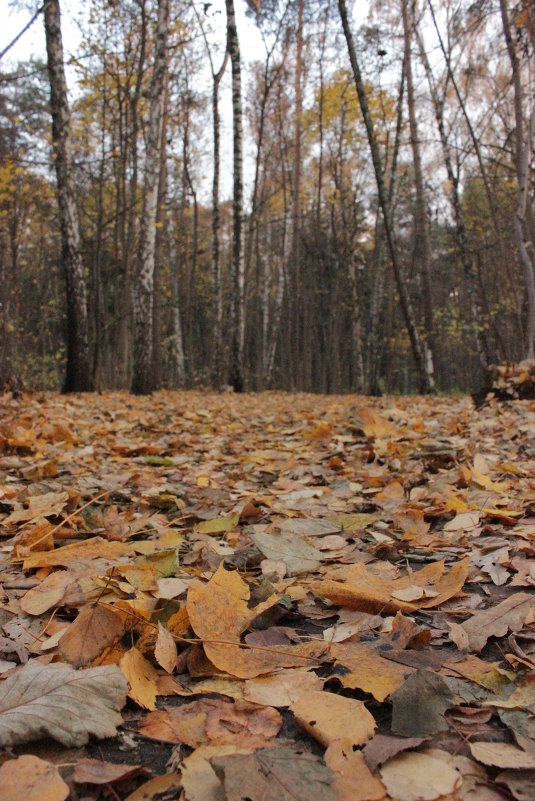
(426, 380)
(78, 374)
(143, 378)
(238, 272)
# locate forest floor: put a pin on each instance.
(269, 597)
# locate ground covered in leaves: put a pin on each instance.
(267, 597)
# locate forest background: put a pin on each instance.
(382, 239)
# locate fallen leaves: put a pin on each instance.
(214, 722)
(219, 614)
(496, 621)
(56, 701)
(271, 579)
(359, 587)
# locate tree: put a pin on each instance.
(238, 273)
(143, 377)
(426, 379)
(422, 245)
(78, 370)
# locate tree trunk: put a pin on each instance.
(523, 154)
(426, 381)
(143, 378)
(238, 272)
(299, 333)
(422, 245)
(78, 371)
(217, 284)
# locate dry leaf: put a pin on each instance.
(520, 783)
(353, 778)
(360, 588)
(198, 776)
(219, 613)
(96, 628)
(141, 677)
(415, 776)
(56, 701)
(328, 717)
(29, 778)
(281, 689)
(360, 666)
(94, 548)
(96, 771)
(496, 621)
(213, 721)
(165, 649)
(158, 788)
(502, 755)
(275, 774)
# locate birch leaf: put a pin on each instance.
(57, 701)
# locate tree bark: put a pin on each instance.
(426, 381)
(523, 153)
(143, 378)
(78, 369)
(422, 244)
(238, 271)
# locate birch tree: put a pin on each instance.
(238, 272)
(143, 378)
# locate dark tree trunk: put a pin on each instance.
(426, 382)
(78, 371)
(238, 273)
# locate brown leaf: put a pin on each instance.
(29, 778)
(520, 783)
(360, 666)
(219, 613)
(165, 649)
(496, 621)
(382, 748)
(418, 706)
(95, 771)
(502, 755)
(56, 701)
(213, 721)
(95, 628)
(361, 588)
(275, 774)
(94, 548)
